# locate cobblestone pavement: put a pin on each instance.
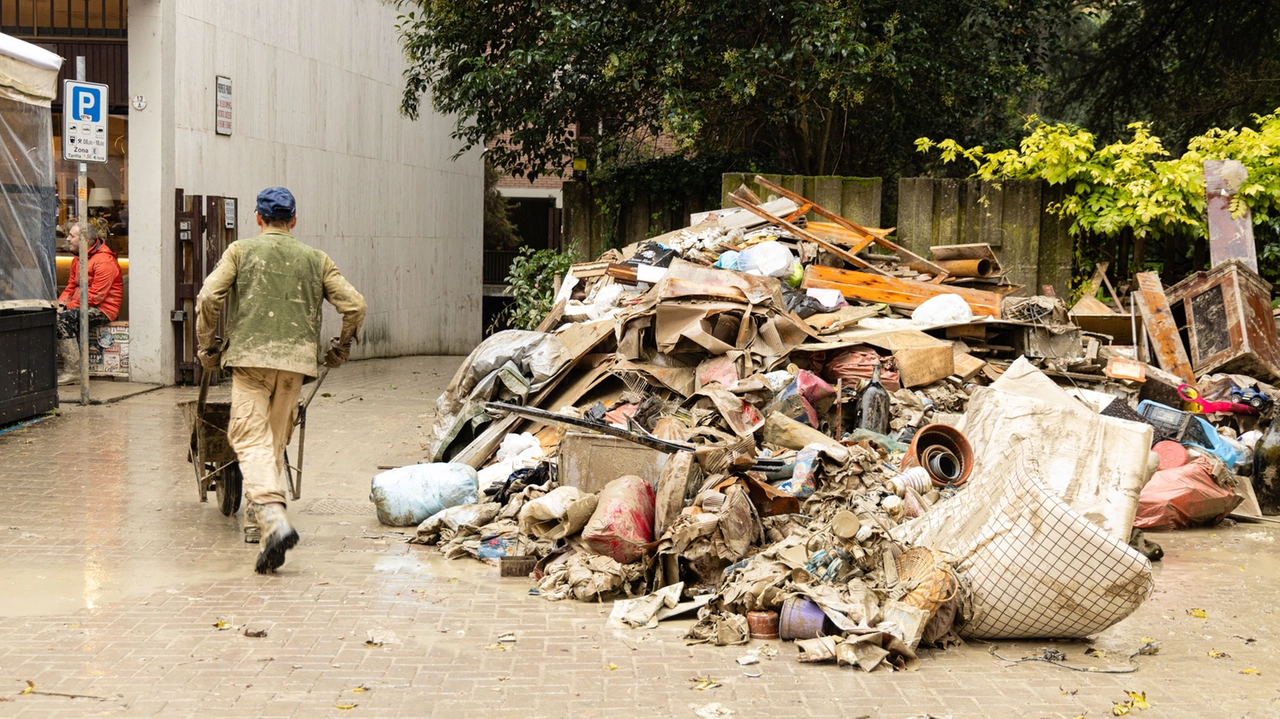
(116, 583)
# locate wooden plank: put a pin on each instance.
(27, 304)
(1158, 319)
(804, 234)
(966, 365)
(1095, 282)
(907, 256)
(972, 209)
(905, 294)
(1057, 246)
(1090, 305)
(553, 318)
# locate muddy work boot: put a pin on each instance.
(251, 532)
(277, 536)
(68, 362)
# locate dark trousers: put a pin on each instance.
(69, 322)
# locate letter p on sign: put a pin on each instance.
(86, 104)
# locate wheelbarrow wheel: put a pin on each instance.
(230, 483)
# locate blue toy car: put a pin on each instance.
(1251, 397)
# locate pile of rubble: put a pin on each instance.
(801, 429)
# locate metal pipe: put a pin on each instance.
(82, 205)
(966, 268)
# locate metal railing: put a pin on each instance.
(32, 19)
(497, 264)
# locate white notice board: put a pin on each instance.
(224, 104)
(84, 121)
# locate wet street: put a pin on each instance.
(122, 595)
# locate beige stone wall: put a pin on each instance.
(316, 93)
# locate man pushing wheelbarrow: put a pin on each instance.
(275, 286)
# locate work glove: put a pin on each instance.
(337, 354)
(210, 359)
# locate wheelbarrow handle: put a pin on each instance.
(324, 372)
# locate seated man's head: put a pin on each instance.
(73, 237)
(276, 208)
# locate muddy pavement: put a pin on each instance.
(122, 595)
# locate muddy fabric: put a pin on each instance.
(69, 323)
(275, 285)
(263, 405)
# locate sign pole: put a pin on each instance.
(82, 202)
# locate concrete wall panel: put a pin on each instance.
(316, 86)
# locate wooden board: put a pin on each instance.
(967, 366)
(904, 294)
(27, 304)
(1161, 328)
(1090, 305)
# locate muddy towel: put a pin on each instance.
(1032, 567)
(562, 513)
(588, 578)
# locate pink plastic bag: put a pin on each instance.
(1182, 497)
(623, 521)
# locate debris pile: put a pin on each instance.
(793, 427)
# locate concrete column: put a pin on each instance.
(152, 33)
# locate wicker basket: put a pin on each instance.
(936, 583)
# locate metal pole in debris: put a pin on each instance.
(82, 203)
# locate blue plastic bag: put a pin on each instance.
(405, 496)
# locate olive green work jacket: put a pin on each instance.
(274, 286)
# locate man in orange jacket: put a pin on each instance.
(106, 291)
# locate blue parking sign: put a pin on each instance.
(84, 121)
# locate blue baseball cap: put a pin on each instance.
(276, 203)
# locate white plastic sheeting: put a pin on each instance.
(1030, 567)
(28, 200)
(1097, 465)
(508, 366)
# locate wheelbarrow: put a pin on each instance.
(215, 462)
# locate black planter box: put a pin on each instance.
(28, 363)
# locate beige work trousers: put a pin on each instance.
(264, 403)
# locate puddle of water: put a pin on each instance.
(65, 585)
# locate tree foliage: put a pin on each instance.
(531, 284)
(499, 232)
(1182, 65)
(1125, 184)
(822, 86)
(1134, 185)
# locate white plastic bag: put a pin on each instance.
(942, 310)
(517, 451)
(770, 259)
(405, 496)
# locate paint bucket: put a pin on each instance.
(802, 618)
(763, 624)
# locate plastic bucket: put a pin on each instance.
(801, 618)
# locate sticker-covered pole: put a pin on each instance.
(82, 203)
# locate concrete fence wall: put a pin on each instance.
(1032, 244)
